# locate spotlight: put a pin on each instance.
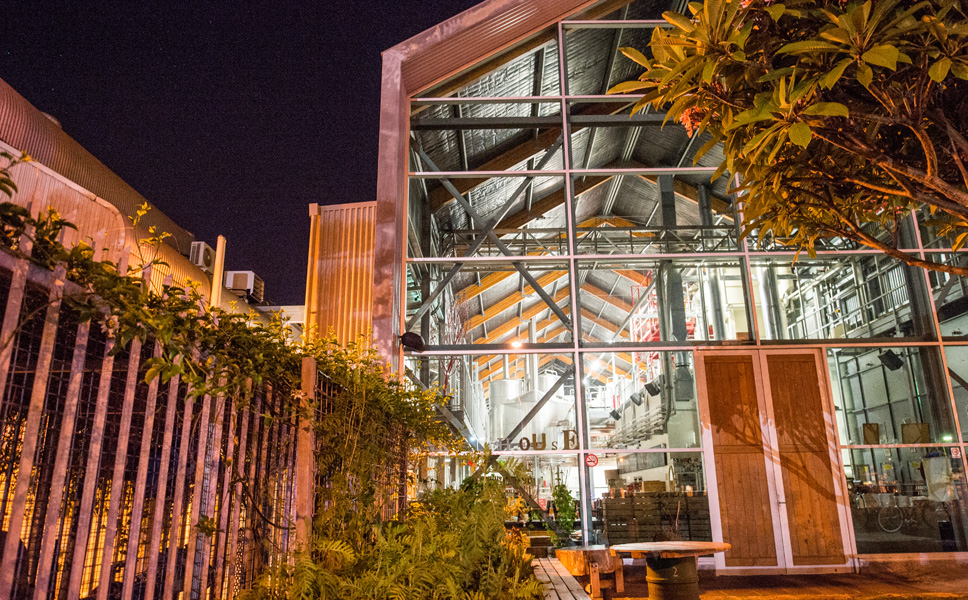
(636, 398)
(412, 341)
(890, 360)
(615, 414)
(516, 344)
(654, 387)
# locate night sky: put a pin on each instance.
(229, 120)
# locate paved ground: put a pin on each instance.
(947, 581)
(879, 586)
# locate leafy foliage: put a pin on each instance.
(565, 504)
(452, 545)
(841, 117)
(368, 425)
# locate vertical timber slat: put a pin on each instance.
(65, 436)
(160, 506)
(137, 503)
(117, 479)
(85, 514)
(35, 412)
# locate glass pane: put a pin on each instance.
(521, 216)
(518, 402)
(626, 214)
(950, 293)
(666, 301)
(957, 357)
(439, 472)
(907, 500)
(890, 396)
(594, 65)
(539, 476)
(489, 303)
(463, 135)
(641, 400)
(844, 297)
(650, 496)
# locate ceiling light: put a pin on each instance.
(890, 360)
(516, 344)
(654, 387)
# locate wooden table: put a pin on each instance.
(670, 566)
(592, 561)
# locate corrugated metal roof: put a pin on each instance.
(25, 127)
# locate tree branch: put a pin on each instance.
(862, 237)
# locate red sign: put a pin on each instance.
(543, 503)
(956, 452)
(591, 460)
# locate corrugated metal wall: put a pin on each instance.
(98, 223)
(339, 280)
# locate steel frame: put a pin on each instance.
(577, 349)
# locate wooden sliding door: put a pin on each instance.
(745, 495)
(775, 474)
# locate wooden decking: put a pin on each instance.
(560, 584)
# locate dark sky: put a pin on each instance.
(230, 117)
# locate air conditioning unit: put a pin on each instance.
(246, 282)
(203, 256)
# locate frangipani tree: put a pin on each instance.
(839, 117)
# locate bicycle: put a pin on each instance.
(893, 517)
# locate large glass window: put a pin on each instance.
(840, 297)
(907, 500)
(641, 400)
(550, 232)
(650, 496)
(891, 395)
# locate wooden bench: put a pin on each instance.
(592, 562)
(559, 584)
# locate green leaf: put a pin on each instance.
(752, 115)
(776, 11)
(630, 86)
(708, 70)
(836, 34)
(884, 55)
(775, 74)
(939, 70)
(800, 134)
(827, 109)
(807, 46)
(636, 56)
(681, 21)
(865, 75)
(959, 70)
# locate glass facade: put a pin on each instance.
(568, 263)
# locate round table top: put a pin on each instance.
(670, 549)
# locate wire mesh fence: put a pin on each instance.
(111, 487)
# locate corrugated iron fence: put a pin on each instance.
(113, 488)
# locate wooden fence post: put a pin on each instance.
(305, 456)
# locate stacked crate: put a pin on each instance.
(648, 517)
(538, 544)
(619, 517)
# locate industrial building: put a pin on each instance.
(575, 282)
